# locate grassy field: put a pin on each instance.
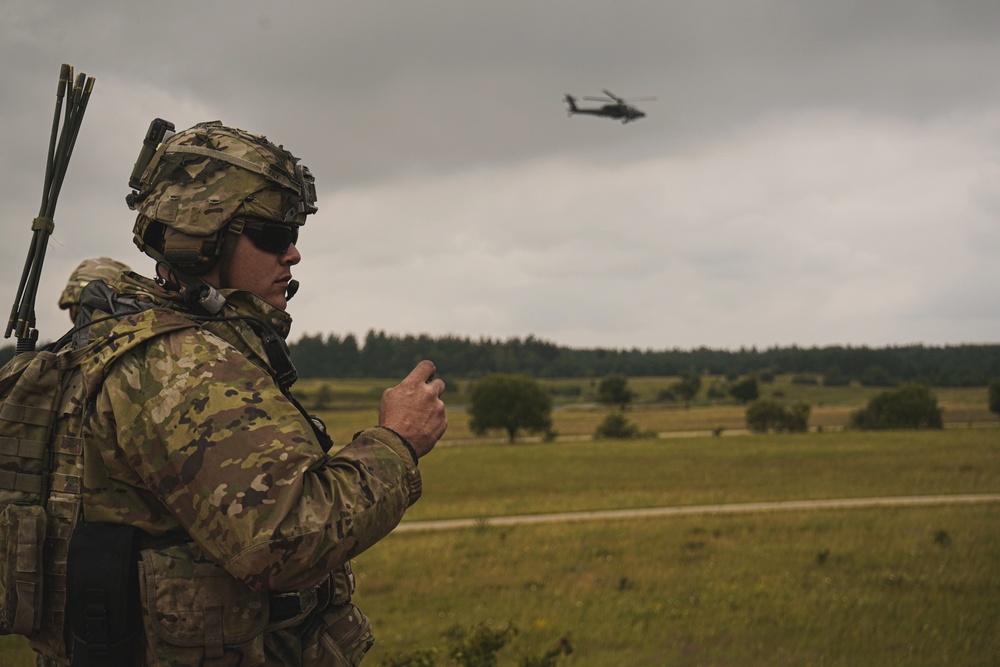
(534, 478)
(353, 404)
(887, 586)
(862, 587)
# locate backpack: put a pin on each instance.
(44, 399)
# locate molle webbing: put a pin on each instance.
(30, 385)
(43, 402)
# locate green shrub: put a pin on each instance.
(550, 657)
(478, 646)
(765, 415)
(910, 406)
(745, 390)
(616, 427)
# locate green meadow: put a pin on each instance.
(913, 585)
(347, 405)
(881, 586)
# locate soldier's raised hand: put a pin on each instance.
(414, 409)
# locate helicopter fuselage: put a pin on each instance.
(617, 110)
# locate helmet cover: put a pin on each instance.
(201, 178)
(98, 268)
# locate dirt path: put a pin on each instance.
(741, 508)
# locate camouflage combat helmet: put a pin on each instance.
(97, 268)
(202, 179)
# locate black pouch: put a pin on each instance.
(103, 594)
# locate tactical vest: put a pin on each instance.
(45, 396)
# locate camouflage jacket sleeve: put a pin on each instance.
(238, 467)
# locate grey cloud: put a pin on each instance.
(799, 160)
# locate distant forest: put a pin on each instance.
(387, 356)
(383, 355)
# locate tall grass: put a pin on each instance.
(861, 587)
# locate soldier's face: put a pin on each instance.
(264, 273)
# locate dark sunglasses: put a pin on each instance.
(271, 236)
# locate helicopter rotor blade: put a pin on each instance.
(612, 96)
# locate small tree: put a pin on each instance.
(994, 394)
(765, 415)
(687, 388)
(910, 406)
(614, 390)
(511, 403)
(797, 418)
(745, 390)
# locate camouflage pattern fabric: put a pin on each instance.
(97, 268)
(205, 175)
(191, 439)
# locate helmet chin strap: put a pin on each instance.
(228, 238)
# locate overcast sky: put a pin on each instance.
(811, 172)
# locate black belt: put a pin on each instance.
(289, 605)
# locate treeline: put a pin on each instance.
(386, 355)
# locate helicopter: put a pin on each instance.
(614, 107)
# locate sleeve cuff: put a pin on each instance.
(391, 442)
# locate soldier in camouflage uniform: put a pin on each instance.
(247, 523)
(97, 268)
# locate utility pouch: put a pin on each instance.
(22, 536)
(196, 613)
(30, 390)
(344, 639)
(342, 584)
(103, 594)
